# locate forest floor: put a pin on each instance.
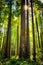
(13, 61)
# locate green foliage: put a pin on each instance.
(20, 62)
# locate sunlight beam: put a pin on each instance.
(25, 7)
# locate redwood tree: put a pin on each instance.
(22, 38)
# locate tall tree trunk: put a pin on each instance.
(22, 41)
(8, 39)
(27, 47)
(34, 48)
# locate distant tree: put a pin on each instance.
(37, 27)
(34, 48)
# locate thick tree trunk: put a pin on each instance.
(34, 48)
(22, 41)
(27, 47)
